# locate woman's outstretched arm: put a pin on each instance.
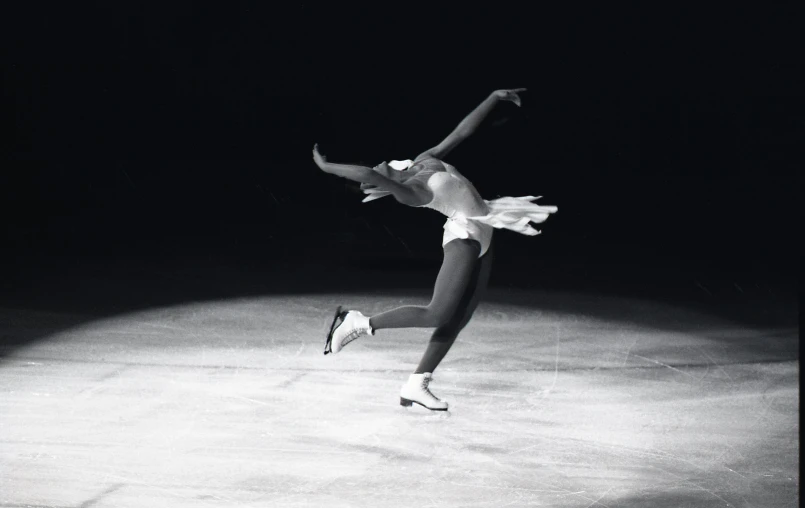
(471, 122)
(414, 194)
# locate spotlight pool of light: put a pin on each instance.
(232, 403)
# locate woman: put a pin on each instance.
(428, 181)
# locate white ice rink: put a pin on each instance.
(232, 404)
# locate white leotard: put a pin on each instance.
(469, 216)
(455, 197)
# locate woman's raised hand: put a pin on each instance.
(509, 95)
(318, 158)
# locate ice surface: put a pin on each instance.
(232, 403)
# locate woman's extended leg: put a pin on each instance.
(459, 267)
(455, 276)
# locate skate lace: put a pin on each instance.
(425, 388)
(354, 334)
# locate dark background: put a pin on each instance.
(163, 150)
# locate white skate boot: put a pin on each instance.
(346, 327)
(416, 391)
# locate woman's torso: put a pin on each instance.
(452, 193)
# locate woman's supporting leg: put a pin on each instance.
(444, 336)
(455, 277)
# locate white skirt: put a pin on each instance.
(514, 214)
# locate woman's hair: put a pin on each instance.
(401, 165)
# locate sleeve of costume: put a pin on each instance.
(378, 191)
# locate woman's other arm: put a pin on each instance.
(414, 194)
(471, 123)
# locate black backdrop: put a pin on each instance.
(180, 132)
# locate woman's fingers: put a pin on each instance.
(317, 157)
(514, 97)
(511, 95)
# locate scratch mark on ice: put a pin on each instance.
(597, 501)
(663, 365)
(555, 365)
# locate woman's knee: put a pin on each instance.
(450, 330)
(439, 316)
(445, 334)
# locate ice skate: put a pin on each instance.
(416, 391)
(346, 327)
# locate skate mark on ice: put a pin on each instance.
(555, 365)
(519, 498)
(228, 395)
(555, 490)
(94, 500)
(663, 456)
(547, 391)
(114, 374)
(185, 329)
(291, 380)
(598, 501)
(718, 365)
(717, 459)
(388, 453)
(691, 483)
(661, 364)
(629, 351)
(551, 487)
(99, 381)
(105, 474)
(485, 449)
(286, 360)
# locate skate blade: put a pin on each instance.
(328, 346)
(407, 403)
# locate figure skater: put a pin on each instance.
(428, 181)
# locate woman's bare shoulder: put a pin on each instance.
(429, 163)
